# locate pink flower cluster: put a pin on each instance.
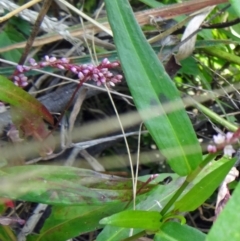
(223, 142)
(100, 74)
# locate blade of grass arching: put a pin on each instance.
(154, 93)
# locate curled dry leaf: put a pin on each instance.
(30, 124)
(223, 192)
(187, 48)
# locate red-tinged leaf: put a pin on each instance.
(17, 97)
(31, 125)
(8, 203)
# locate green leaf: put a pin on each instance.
(227, 225)
(68, 222)
(173, 231)
(11, 36)
(65, 186)
(147, 220)
(154, 93)
(151, 201)
(236, 6)
(155, 200)
(204, 188)
(21, 24)
(17, 97)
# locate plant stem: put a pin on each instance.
(216, 117)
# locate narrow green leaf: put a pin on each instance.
(154, 93)
(68, 222)
(227, 225)
(173, 231)
(204, 188)
(17, 97)
(147, 220)
(65, 186)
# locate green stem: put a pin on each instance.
(174, 197)
(216, 52)
(189, 179)
(216, 117)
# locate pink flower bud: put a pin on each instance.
(43, 64)
(229, 136)
(104, 70)
(90, 67)
(32, 62)
(95, 71)
(105, 61)
(85, 71)
(211, 149)
(46, 57)
(20, 68)
(95, 77)
(102, 79)
(115, 64)
(60, 66)
(73, 69)
(16, 78)
(65, 60)
(52, 59)
(111, 83)
(23, 78)
(219, 139)
(119, 76)
(80, 75)
(109, 74)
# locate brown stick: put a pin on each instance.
(174, 10)
(41, 15)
